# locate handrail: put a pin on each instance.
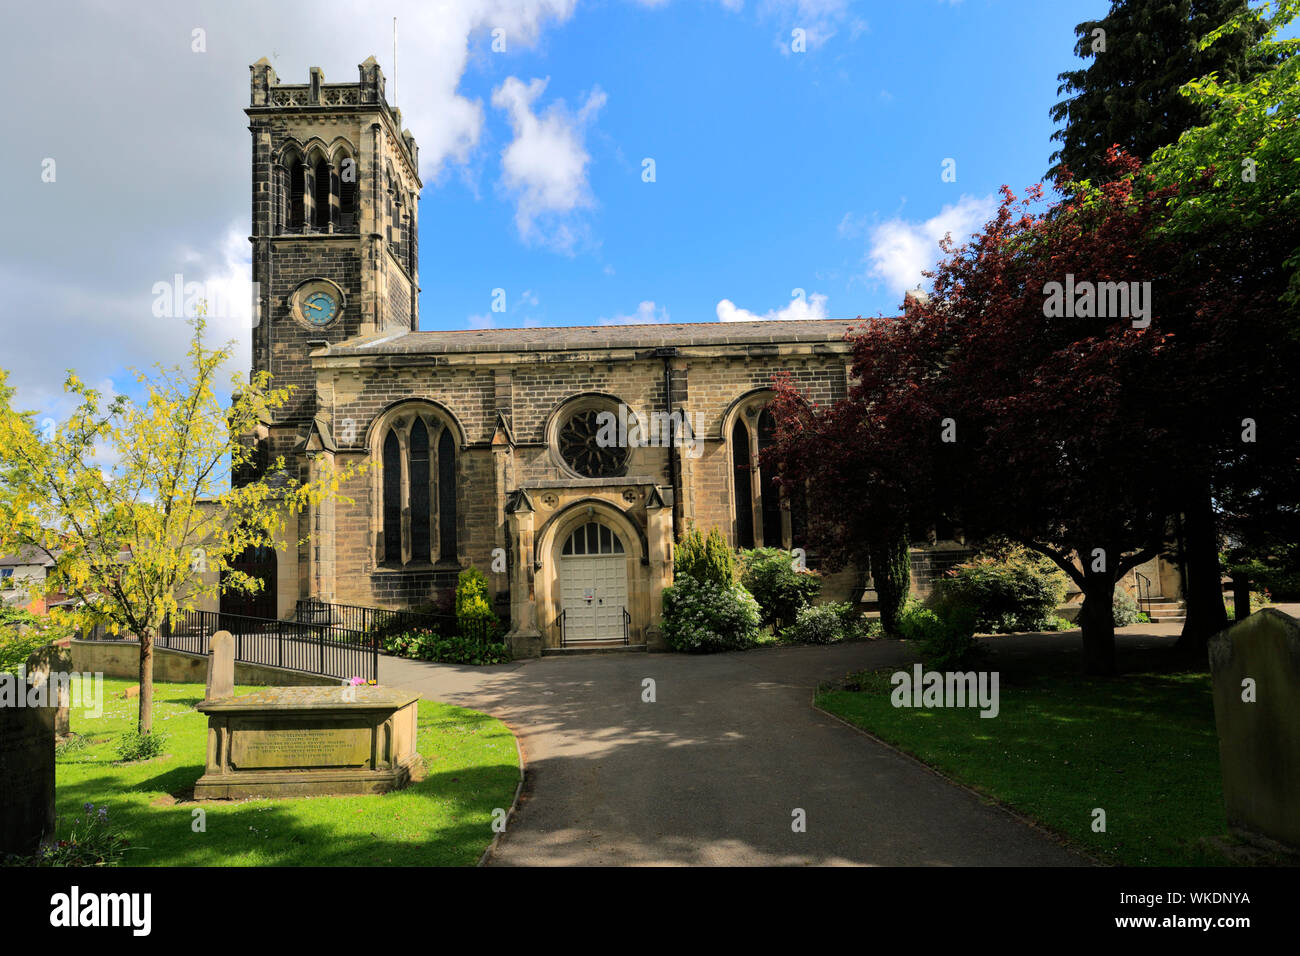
(1139, 578)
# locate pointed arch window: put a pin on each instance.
(297, 191)
(321, 195)
(392, 472)
(349, 220)
(762, 516)
(744, 484)
(421, 511)
(417, 487)
(769, 496)
(447, 495)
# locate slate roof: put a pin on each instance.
(566, 339)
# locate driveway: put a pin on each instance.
(713, 771)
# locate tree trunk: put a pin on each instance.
(1240, 597)
(1204, 594)
(891, 568)
(1097, 619)
(145, 722)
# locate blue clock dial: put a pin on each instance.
(320, 308)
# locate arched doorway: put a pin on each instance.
(593, 584)
(257, 563)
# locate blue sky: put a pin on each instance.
(775, 170)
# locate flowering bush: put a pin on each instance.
(90, 842)
(703, 616)
(819, 624)
(1125, 608)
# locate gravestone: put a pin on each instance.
(1256, 670)
(26, 771)
(54, 661)
(221, 666)
(310, 741)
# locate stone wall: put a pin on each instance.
(122, 659)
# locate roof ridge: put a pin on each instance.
(626, 325)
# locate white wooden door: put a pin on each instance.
(593, 584)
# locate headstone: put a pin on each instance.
(221, 666)
(310, 741)
(26, 772)
(54, 660)
(1256, 670)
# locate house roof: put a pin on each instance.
(658, 335)
(26, 555)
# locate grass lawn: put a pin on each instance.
(1142, 747)
(443, 821)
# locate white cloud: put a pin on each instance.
(545, 167)
(899, 250)
(83, 253)
(647, 313)
(810, 307)
(484, 321)
(819, 19)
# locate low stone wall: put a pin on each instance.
(122, 659)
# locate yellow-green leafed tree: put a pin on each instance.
(133, 499)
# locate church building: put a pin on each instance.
(493, 447)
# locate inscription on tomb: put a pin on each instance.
(300, 746)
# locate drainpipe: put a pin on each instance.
(668, 354)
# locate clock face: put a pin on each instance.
(317, 303)
(320, 308)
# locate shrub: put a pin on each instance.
(471, 588)
(705, 559)
(1017, 590)
(703, 616)
(944, 640)
(781, 590)
(1125, 608)
(134, 745)
(819, 624)
(475, 618)
(456, 649)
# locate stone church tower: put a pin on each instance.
(335, 231)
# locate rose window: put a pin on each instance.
(589, 449)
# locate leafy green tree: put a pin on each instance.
(1142, 52)
(132, 499)
(1238, 209)
(22, 633)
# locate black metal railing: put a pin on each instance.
(325, 650)
(383, 622)
(1144, 604)
(357, 617)
(316, 649)
(627, 627)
